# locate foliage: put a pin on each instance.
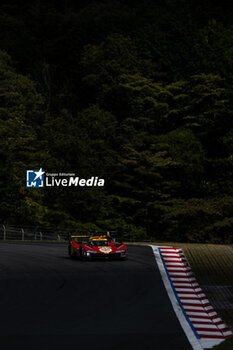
(137, 93)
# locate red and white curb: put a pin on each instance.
(201, 324)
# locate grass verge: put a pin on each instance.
(226, 345)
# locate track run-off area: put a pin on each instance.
(49, 301)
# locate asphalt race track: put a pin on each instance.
(48, 301)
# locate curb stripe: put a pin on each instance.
(208, 328)
(205, 319)
(186, 316)
(193, 285)
(190, 292)
(196, 307)
(213, 336)
(204, 322)
(190, 296)
(180, 279)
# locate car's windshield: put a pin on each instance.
(100, 243)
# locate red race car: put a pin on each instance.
(88, 247)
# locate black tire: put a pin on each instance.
(71, 252)
(81, 256)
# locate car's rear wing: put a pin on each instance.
(79, 238)
(84, 236)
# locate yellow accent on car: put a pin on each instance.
(78, 236)
(99, 239)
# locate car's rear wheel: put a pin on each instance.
(81, 255)
(72, 252)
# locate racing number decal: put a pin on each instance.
(105, 250)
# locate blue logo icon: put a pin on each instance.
(35, 178)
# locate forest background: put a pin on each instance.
(136, 92)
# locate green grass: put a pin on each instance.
(226, 345)
(213, 268)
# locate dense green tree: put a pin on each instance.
(139, 93)
(21, 147)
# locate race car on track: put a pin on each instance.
(96, 246)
